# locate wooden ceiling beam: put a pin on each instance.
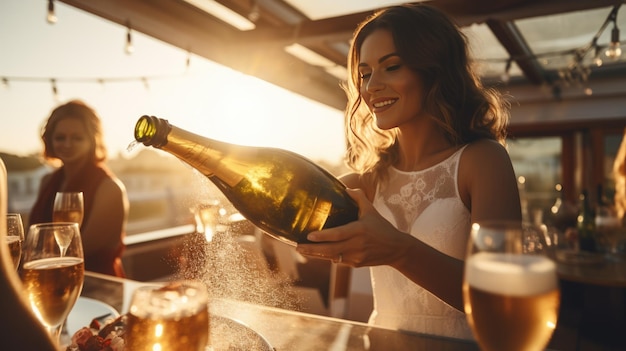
(184, 26)
(261, 52)
(464, 12)
(511, 39)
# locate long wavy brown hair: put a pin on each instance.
(80, 111)
(430, 44)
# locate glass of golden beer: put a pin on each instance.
(15, 237)
(52, 282)
(171, 317)
(511, 296)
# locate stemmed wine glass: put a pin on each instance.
(511, 293)
(15, 236)
(609, 232)
(68, 207)
(52, 281)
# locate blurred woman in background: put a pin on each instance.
(72, 137)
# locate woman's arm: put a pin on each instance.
(107, 219)
(373, 241)
(487, 182)
(488, 188)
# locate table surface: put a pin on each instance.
(592, 268)
(292, 330)
(286, 329)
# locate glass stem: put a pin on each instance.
(55, 334)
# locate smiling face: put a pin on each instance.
(70, 141)
(392, 91)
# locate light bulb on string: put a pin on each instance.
(55, 90)
(51, 16)
(614, 50)
(255, 11)
(597, 59)
(129, 48)
(506, 76)
(101, 82)
(188, 61)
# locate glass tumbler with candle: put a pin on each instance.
(510, 290)
(171, 317)
(609, 231)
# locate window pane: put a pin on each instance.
(537, 162)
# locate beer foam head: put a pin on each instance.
(513, 275)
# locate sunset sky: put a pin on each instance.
(85, 54)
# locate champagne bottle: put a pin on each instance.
(279, 191)
(586, 224)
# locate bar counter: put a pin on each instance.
(593, 303)
(289, 330)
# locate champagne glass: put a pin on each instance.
(52, 282)
(15, 236)
(609, 232)
(511, 294)
(68, 207)
(171, 317)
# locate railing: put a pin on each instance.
(154, 255)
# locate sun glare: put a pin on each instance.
(203, 97)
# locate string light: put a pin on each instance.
(576, 73)
(506, 76)
(55, 90)
(597, 60)
(255, 11)
(614, 51)
(101, 81)
(51, 17)
(129, 48)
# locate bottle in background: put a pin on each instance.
(563, 214)
(608, 226)
(586, 224)
(281, 192)
(562, 221)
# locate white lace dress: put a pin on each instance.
(426, 204)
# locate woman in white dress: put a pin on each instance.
(426, 143)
